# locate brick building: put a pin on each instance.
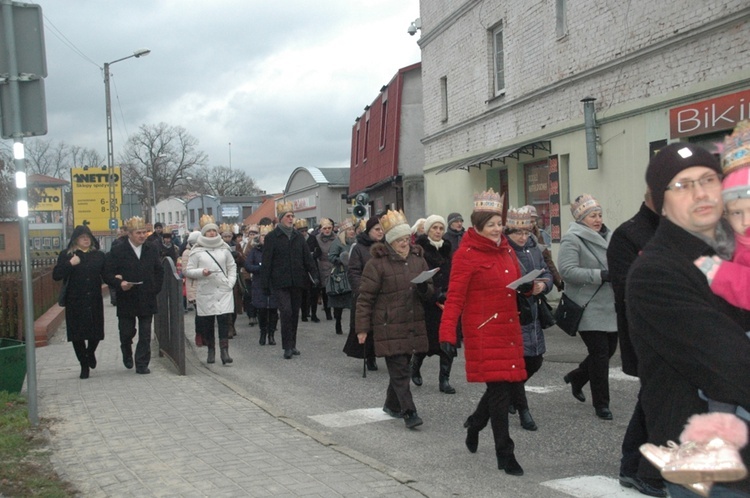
(503, 84)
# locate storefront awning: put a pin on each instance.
(497, 155)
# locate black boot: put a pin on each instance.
(509, 464)
(372, 364)
(224, 350)
(273, 319)
(263, 325)
(339, 330)
(446, 362)
(328, 314)
(80, 349)
(416, 364)
(211, 358)
(526, 421)
(472, 436)
(91, 353)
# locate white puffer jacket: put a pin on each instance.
(214, 292)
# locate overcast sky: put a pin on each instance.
(282, 81)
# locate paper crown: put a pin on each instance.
(135, 223)
(205, 220)
(519, 219)
(489, 201)
(326, 222)
(583, 205)
(225, 227)
(346, 224)
(735, 152)
(361, 225)
(265, 229)
(284, 207)
(392, 219)
(300, 223)
(253, 228)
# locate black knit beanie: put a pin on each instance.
(669, 161)
(371, 222)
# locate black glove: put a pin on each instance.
(448, 348)
(526, 288)
(605, 276)
(422, 287)
(442, 297)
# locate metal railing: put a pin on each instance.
(169, 323)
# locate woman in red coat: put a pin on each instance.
(482, 267)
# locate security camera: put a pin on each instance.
(412, 29)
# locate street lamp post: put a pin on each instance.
(110, 148)
(153, 186)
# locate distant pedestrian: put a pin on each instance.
(81, 266)
(338, 256)
(389, 307)
(455, 230)
(266, 306)
(134, 268)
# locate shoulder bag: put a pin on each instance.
(338, 283)
(63, 292)
(544, 312)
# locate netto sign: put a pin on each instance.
(90, 189)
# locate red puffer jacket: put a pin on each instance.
(477, 294)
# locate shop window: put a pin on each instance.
(537, 194)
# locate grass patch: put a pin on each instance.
(25, 468)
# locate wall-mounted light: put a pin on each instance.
(593, 146)
(414, 26)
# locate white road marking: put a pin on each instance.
(352, 417)
(591, 487)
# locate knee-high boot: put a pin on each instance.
(416, 364)
(232, 330)
(337, 312)
(263, 324)
(224, 350)
(80, 349)
(210, 342)
(273, 319)
(446, 362)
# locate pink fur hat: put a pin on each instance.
(707, 426)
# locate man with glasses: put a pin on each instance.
(685, 337)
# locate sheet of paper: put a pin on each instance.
(529, 277)
(425, 276)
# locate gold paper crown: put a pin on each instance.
(346, 224)
(284, 207)
(205, 220)
(135, 223)
(253, 228)
(519, 219)
(735, 152)
(392, 219)
(300, 223)
(489, 201)
(361, 225)
(225, 227)
(265, 229)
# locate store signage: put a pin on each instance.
(709, 116)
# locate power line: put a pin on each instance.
(60, 36)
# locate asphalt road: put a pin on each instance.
(572, 454)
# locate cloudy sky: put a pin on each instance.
(282, 81)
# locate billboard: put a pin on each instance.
(50, 199)
(90, 187)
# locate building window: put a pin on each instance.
(356, 146)
(561, 18)
(170, 217)
(499, 60)
(383, 122)
(537, 192)
(210, 211)
(367, 140)
(2, 241)
(444, 99)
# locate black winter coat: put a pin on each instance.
(286, 262)
(253, 265)
(686, 337)
(436, 258)
(140, 300)
(84, 310)
(624, 247)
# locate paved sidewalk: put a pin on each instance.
(122, 434)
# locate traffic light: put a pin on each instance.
(360, 209)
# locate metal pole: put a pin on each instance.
(23, 210)
(153, 184)
(110, 148)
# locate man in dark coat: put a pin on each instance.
(287, 267)
(626, 243)
(686, 337)
(455, 230)
(134, 269)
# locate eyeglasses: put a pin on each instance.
(708, 182)
(522, 233)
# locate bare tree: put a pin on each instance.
(163, 154)
(7, 187)
(221, 181)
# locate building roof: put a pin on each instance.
(45, 181)
(266, 210)
(332, 176)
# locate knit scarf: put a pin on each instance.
(209, 242)
(723, 242)
(288, 231)
(437, 245)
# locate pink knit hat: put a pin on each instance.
(736, 185)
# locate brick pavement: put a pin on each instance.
(121, 434)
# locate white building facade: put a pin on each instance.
(504, 83)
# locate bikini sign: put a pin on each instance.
(709, 116)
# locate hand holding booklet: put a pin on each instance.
(529, 277)
(425, 276)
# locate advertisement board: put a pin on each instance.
(50, 199)
(90, 187)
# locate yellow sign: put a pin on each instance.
(90, 187)
(51, 199)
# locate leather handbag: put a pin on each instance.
(525, 315)
(63, 293)
(337, 282)
(569, 313)
(544, 312)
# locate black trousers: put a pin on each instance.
(493, 408)
(83, 350)
(127, 328)
(518, 392)
(289, 300)
(398, 395)
(635, 435)
(595, 367)
(315, 293)
(206, 326)
(305, 303)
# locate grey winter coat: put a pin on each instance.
(581, 260)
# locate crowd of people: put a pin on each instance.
(668, 286)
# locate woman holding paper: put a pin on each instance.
(518, 230)
(390, 307)
(481, 269)
(437, 253)
(582, 262)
